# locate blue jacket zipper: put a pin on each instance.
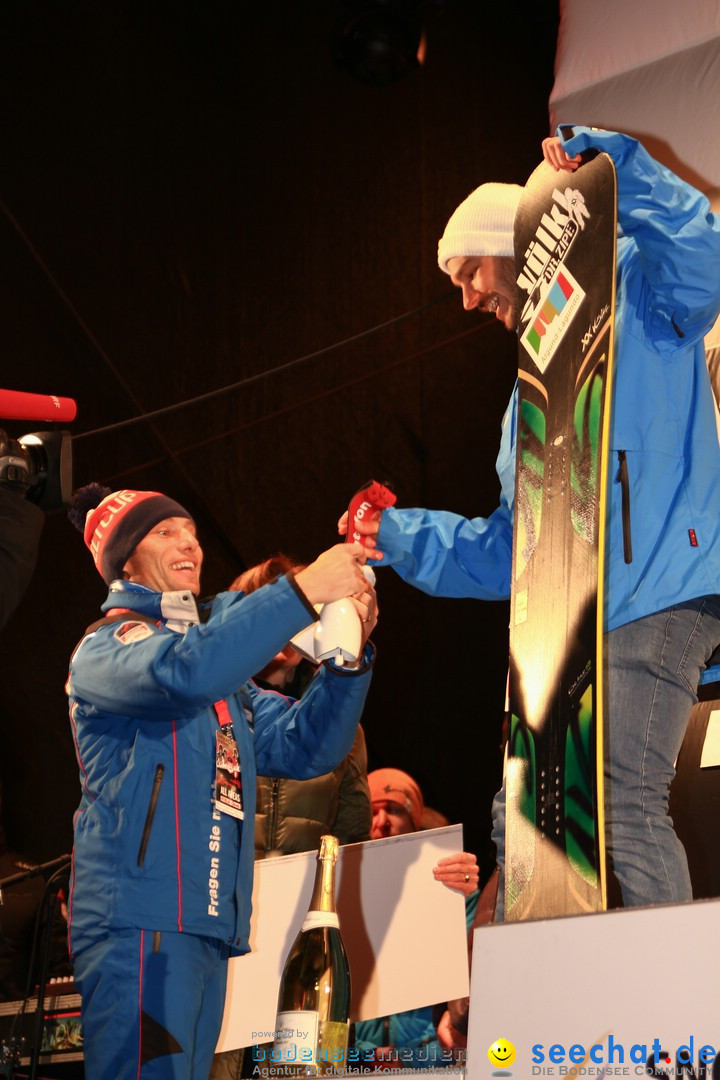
(157, 781)
(623, 479)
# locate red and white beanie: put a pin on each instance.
(482, 224)
(115, 526)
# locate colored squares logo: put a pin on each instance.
(560, 292)
(551, 317)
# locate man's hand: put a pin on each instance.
(459, 872)
(334, 575)
(556, 156)
(367, 527)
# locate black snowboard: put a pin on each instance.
(565, 234)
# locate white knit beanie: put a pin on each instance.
(482, 224)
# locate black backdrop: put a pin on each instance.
(197, 195)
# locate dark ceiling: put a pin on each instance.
(208, 218)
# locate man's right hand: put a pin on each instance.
(334, 575)
(368, 527)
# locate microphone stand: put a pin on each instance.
(57, 866)
(35, 871)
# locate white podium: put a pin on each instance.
(620, 993)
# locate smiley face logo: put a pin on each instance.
(501, 1053)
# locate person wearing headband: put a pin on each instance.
(409, 1038)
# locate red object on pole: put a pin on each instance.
(18, 405)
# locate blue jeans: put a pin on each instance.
(653, 667)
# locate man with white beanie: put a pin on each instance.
(662, 610)
(476, 250)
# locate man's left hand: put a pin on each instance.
(556, 155)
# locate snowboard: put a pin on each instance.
(565, 235)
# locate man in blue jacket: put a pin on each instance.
(662, 613)
(168, 733)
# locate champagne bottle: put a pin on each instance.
(311, 1031)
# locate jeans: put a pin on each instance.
(653, 667)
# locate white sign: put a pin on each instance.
(404, 932)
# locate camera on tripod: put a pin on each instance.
(38, 465)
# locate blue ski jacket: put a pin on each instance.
(664, 546)
(151, 850)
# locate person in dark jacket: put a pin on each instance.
(168, 729)
(21, 524)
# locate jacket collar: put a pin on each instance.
(178, 610)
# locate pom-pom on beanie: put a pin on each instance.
(482, 224)
(114, 523)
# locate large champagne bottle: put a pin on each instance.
(311, 1031)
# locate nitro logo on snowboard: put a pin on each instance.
(554, 295)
